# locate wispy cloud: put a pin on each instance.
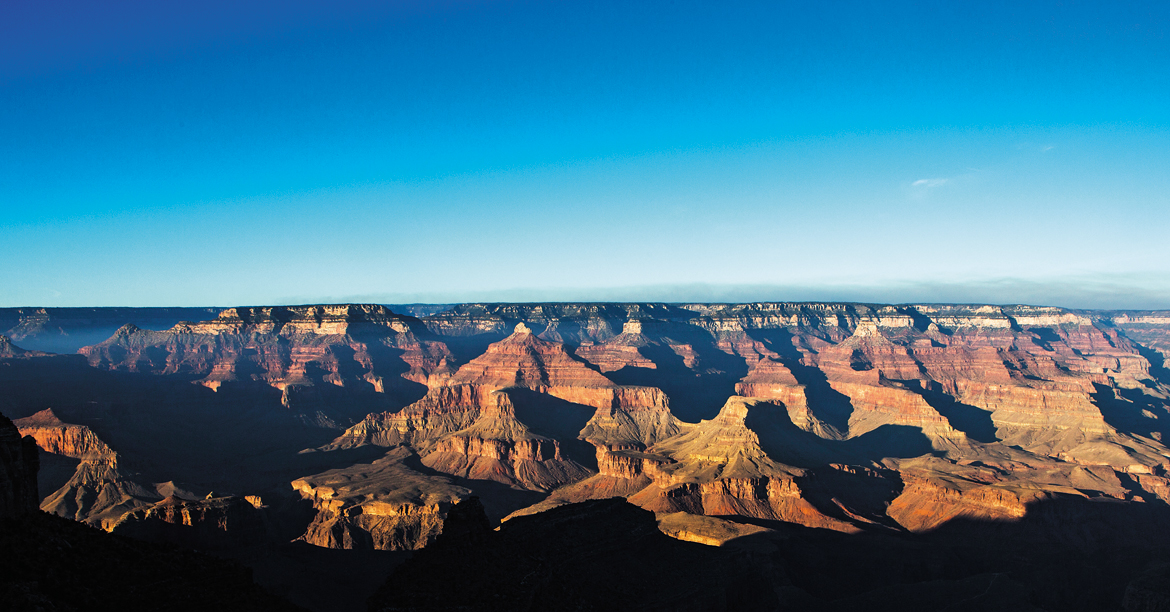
(933, 182)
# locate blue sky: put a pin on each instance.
(230, 153)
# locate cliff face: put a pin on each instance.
(54, 436)
(469, 426)
(720, 468)
(8, 349)
(225, 522)
(305, 352)
(384, 505)
(829, 415)
(64, 330)
(18, 471)
(497, 446)
(99, 492)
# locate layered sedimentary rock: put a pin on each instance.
(8, 349)
(384, 505)
(770, 379)
(303, 351)
(226, 521)
(64, 330)
(905, 416)
(100, 491)
(469, 425)
(54, 436)
(720, 468)
(621, 351)
(281, 346)
(635, 418)
(879, 380)
(497, 446)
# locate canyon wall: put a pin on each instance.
(841, 416)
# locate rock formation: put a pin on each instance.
(18, 471)
(384, 505)
(99, 492)
(223, 522)
(50, 563)
(304, 352)
(64, 330)
(844, 416)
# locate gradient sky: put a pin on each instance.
(229, 152)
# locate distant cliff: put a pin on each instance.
(834, 415)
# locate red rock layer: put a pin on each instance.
(499, 447)
(524, 360)
(384, 505)
(719, 468)
(53, 436)
(771, 380)
(1059, 401)
(633, 418)
(282, 346)
(99, 492)
(444, 410)
(621, 351)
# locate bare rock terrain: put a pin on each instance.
(361, 427)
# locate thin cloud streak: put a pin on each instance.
(934, 182)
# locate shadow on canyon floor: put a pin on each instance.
(557, 419)
(973, 421)
(1066, 554)
(694, 395)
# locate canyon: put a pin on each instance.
(359, 427)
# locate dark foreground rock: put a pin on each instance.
(1067, 554)
(596, 555)
(54, 564)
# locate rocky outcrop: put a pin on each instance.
(771, 380)
(497, 446)
(100, 490)
(58, 438)
(621, 351)
(364, 349)
(19, 463)
(8, 349)
(64, 330)
(469, 425)
(720, 468)
(384, 505)
(926, 503)
(945, 411)
(214, 522)
(99, 493)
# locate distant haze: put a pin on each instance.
(1069, 293)
(285, 152)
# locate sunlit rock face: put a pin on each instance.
(224, 522)
(839, 416)
(383, 505)
(99, 491)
